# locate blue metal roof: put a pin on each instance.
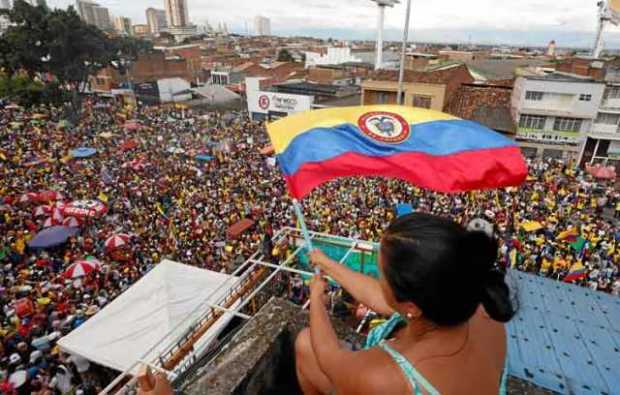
(564, 338)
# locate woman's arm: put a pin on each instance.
(363, 288)
(341, 366)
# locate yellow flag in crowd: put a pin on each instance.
(103, 197)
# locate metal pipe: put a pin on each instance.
(401, 73)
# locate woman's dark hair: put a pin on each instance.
(444, 269)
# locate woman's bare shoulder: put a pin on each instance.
(370, 372)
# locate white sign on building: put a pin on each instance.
(274, 104)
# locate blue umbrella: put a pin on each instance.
(83, 152)
(51, 237)
(204, 158)
(403, 209)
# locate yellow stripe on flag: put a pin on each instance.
(283, 131)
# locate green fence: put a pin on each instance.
(358, 260)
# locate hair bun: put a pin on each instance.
(480, 251)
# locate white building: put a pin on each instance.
(123, 25)
(602, 144)
(156, 19)
(262, 26)
(177, 13)
(554, 111)
(334, 55)
(4, 21)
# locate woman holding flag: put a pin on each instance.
(447, 303)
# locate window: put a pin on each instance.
(567, 125)
(533, 96)
(607, 119)
(382, 97)
(613, 92)
(422, 101)
(584, 97)
(532, 122)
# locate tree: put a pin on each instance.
(285, 56)
(58, 42)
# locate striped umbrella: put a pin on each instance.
(71, 222)
(49, 222)
(57, 215)
(82, 268)
(28, 197)
(116, 241)
(42, 211)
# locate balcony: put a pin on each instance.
(610, 105)
(604, 130)
(549, 136)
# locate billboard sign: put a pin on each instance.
(264, 102)
(612, 11)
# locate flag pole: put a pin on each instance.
(304, 229)
(401, 72)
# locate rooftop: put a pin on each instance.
(430, 77)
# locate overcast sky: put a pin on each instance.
(530, 22)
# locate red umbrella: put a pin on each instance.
(71, 222)
(129, 145)
(50, 196)
(28, 197)
(42, 211)
(49, 222)
(82, 268)
(116, 241)
(57, 215)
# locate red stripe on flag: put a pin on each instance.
(463, 171)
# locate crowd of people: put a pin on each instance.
(175, 181)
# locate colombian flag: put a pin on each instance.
(576, 272)
(430, 149)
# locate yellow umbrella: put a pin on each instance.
(531, 226)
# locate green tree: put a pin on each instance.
(58, 42)
(285, 56)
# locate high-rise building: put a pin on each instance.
(262, 26)
(35, 3)
(177, 13)
(141, 30)
(156, 19)
(4, 21)
(93, 14)
(123, 25)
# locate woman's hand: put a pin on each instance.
(319, 259)
(318, 285)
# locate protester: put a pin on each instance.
(166, 187)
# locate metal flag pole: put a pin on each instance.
(304, 229)
(401, 74)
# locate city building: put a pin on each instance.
(554, 111)
(141, 30)
(4, 20)
(35, 3)
(177, 16)
(488, 104)
(421, 89)
(262, 26)
(602, 143)
(333, 56)
(123, 25)
(156, 19)
(93, 14)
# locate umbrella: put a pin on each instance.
(116, 241)
(18, 378)
(82, 268)
(42, 211)
(83, 152)
(57, 215)
(49, 222)
(71, 222)
(531, 226)
(28, 197)
(51, 237)
(204, 158)
(129, 145)
(49, 196)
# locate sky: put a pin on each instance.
(516, 22)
